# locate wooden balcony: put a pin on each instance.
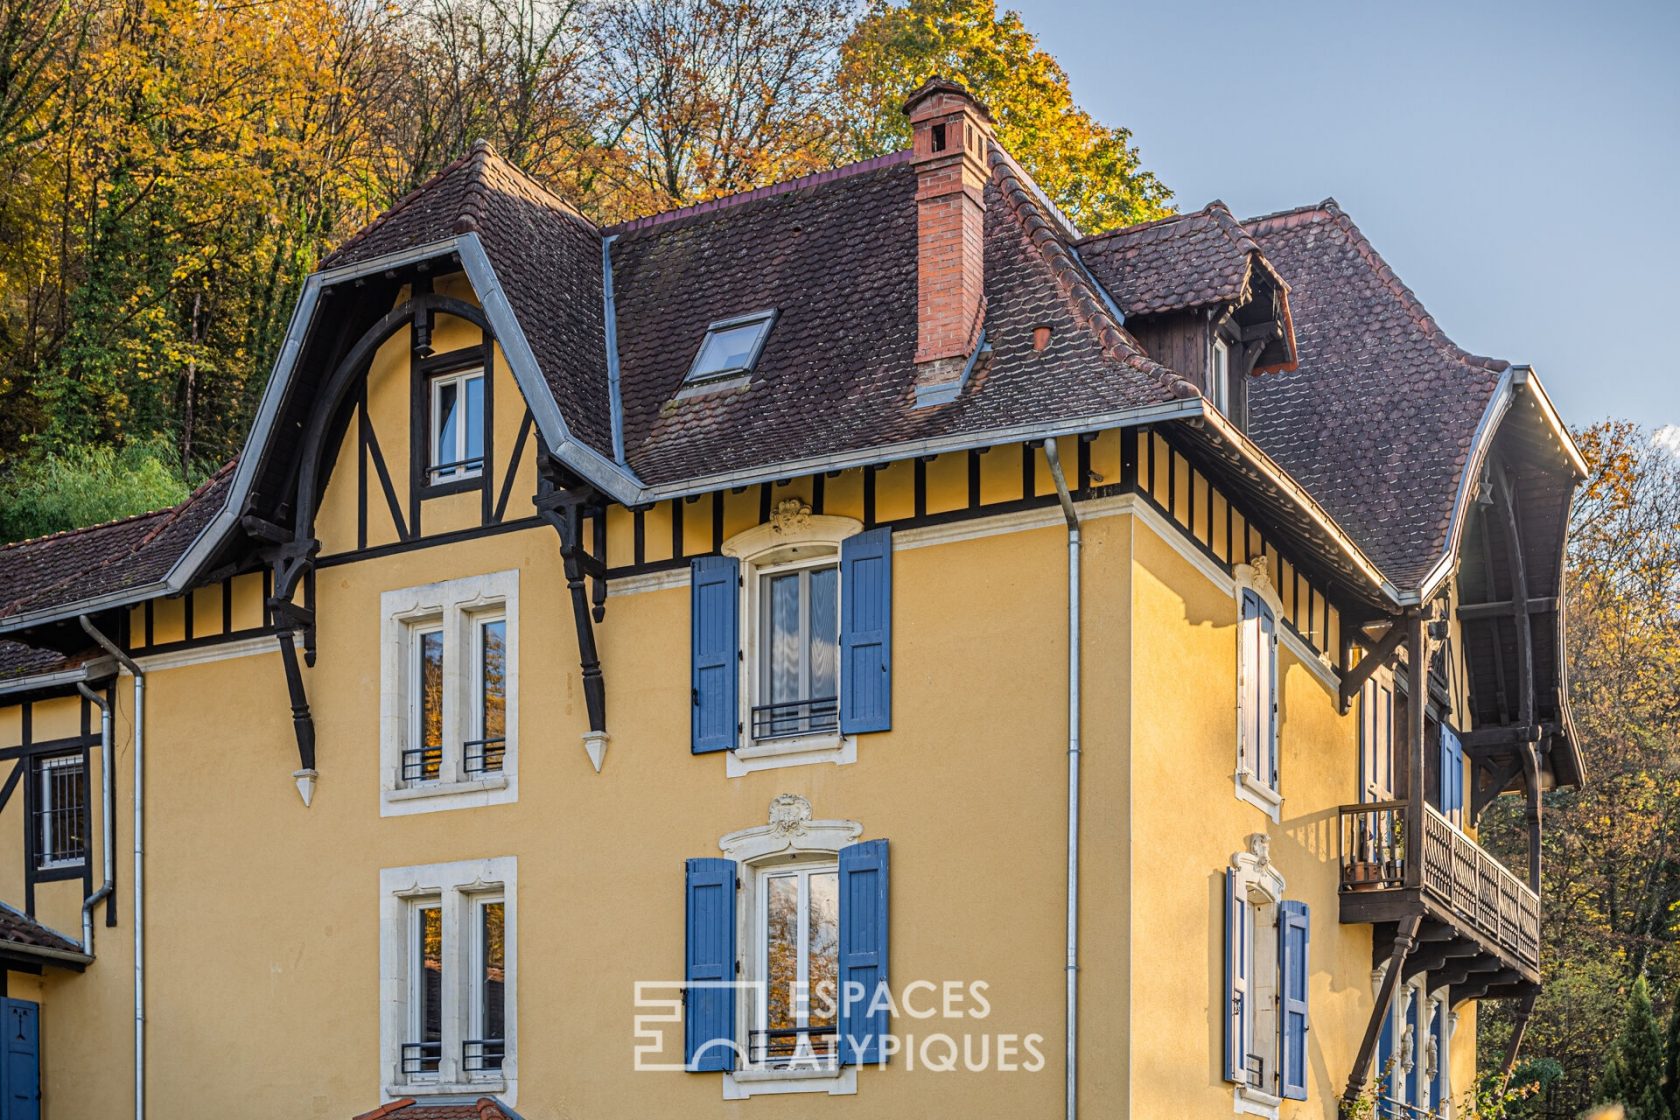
(1480, 920)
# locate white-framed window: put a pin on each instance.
(449, 699)
(448, 978)
(1219, 376)
(1267, 984)
(1257, 777)
(457, 426)
(790, 619)
(789, 933)
(731, 347)
(61, 814)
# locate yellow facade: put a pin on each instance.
(263, 915)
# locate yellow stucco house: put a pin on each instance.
(854, 648)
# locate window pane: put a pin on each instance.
(823, 947)
(445, 423)
(494, 994)
(784, 661)
(493, 677)
(781, 966)
(430, 697)
(728, 349)
(429, 997)
(62, 830)
(472, 422)
(824, 632)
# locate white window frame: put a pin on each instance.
(1257, 788)
(791, 837)
(765, 320)
(459, 607)
(1262, 887)
(439, 469)
(1219, 376)
(475, 980)
(44, 765)
(793, 539)
(759, 968)
(458, 889)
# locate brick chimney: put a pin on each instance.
(950, 131)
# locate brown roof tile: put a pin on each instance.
(1378, 418)
(407, 1108)
(18, 928)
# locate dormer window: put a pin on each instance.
(457, 437)
(731, 346)
(1219, 377)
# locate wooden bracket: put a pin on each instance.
(563, 507)
(1379, 655)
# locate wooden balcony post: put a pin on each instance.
(1417, 735)
(1532, 775)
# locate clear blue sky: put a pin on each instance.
(1518, 164)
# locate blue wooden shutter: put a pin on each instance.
(865, 999)
(1452, 776)
(1386, 1064)
(715, 583)
(1443, 1057)
(1268, 698)
(709, 966)
(1417, 1012)
(866, 632)
(20, 1066)
(1236, 980)
(1293, 974)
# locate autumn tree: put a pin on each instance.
(1090, 170)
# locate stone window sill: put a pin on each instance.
(837, 1081)
(1259, 794)
(771, 754)
(444, 789)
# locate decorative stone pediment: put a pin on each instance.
(791, 516)
(790, 830)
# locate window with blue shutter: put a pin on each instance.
(1257, 677)
(1452, 776)
(1417, 1018)
(709, 966)
(715, 597)
(1441, 1090)
(20, 1065)
(865, 1002)
(866, 632)
(1293, 974)
(1237, 930)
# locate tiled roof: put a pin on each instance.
(1378, 418)
(19, 660)
(836, 258)
(82, 564)
(407, 1108)
(547, 256)
(19, 929)
(1174, 263)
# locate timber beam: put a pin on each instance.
(562, 507)
(1404, 941)
(1505, 608)
(1378, 656)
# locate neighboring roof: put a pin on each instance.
(835, 256)
(407, 1108)
(21, 935)
(84, 564)
(546, 255)
(1379, 418)
(1174, 263)
(19, 660)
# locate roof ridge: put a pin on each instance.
(407, 200)
(753, 194)
(1152, 223)
(174, 512)
(1088, 305)
(1330, 211)
(79, 529)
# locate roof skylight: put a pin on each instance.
(731, 346)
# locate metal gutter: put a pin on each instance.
(45, 952)
(87, 671)
(615, 398)
(107, 817)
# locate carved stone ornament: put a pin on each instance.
(1260, 847)
(789, 814)
(1261, 566)
(791, 515)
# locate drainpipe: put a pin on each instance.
(133, 667)
(107, 815)
(1072, 516)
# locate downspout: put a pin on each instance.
(133, 667)
(107, 815)
(615, 396)
(1073, 542)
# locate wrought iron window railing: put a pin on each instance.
(421, 1058)
(423, 764)
(789, 718)
(793, 1046)
(61, 818)
(483, 756)
(460, 468)
(1255, 1069)
(1455, 871)
(482, 1055)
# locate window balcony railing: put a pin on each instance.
(790, 718)
(460, 468)
(483, 756)
(793, 1046)
(423, 764)
(420, 1059)
(482, 1055)
(1455, 872)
